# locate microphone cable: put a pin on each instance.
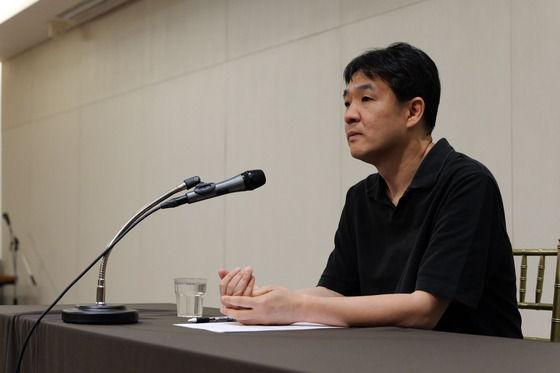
(28, 337)
(248, 180)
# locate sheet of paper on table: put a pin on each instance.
(235, 327)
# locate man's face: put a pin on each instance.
(375, 122)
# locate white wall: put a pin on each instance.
(100, 122)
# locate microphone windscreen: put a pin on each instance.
(254, 179)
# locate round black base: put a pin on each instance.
(96, 314)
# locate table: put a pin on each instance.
(155, 345)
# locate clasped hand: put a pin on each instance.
(251, 304)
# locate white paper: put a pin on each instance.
(235, 327)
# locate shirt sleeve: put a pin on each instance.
(341, 271)
(469, 226)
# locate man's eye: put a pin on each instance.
(346, 103)
(364, 99)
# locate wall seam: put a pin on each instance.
(226, 115)
(512, 134)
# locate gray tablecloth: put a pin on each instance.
(155, 345)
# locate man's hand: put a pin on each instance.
(237, 282)
(269, 305)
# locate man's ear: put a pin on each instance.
(416, 108)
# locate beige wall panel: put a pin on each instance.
(283, 107)
(536, 122)
(43, 196)
(356, 10)
(55, 191)
(17, 89)
(185, 133)
(113, 53)
(111, 168)
(536, 144)
(257, 25)
(57, 80)
(148, 42)
(16, 189)
(183, 36)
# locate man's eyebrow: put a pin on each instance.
(361, 87)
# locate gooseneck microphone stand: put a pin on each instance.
(101, 312)
(105, 315)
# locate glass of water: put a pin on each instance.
(189, 293)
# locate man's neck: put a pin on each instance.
(399, 171)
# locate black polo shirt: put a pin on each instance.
(446, 236)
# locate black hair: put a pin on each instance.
(407, 70)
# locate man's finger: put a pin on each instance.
(222, 273)
(250, 286)
(226, 279)
(262, 290)
(244, 316)
(238, 301)
(246, 276)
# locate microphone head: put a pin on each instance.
(5, 216)
(253, 179)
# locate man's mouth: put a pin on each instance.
(352, 135)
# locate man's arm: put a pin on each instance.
(319, 291)
(277, 305)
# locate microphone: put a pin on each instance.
(248, 180)
(103, 313)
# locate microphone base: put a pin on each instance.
(100, 314)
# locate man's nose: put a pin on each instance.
(351, 115)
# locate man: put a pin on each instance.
(422, 243)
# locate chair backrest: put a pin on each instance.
(537, 304)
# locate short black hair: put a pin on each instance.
(407, 70)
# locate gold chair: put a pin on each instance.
(537, 304)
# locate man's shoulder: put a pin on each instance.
(451, 162)
(461, 165)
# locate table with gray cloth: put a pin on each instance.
(154, 344)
